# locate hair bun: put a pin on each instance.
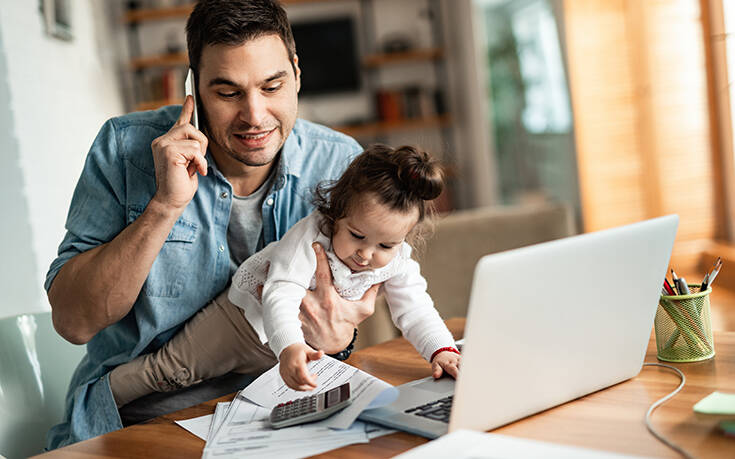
(419, 173)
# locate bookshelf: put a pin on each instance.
(157, 14)
(383, 127)
(166, 72)
(385, 59)
(182, 11)
(368, 62)
(161, 60)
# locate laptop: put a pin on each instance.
(546, 324)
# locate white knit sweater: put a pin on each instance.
(286, 268)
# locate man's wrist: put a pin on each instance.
(345, 353)
(159, 209)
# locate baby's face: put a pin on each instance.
(371, 235)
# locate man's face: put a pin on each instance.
(249, 95)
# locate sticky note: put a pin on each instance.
(716, 403)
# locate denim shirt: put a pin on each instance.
(193, 265)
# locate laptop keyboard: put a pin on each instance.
(437, 410)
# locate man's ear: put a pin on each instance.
(297, 72)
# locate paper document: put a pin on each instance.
(220, 412)
(477, 445)
(366, 391)
(245, 431)
(198, 426)
(375, 431)
(239, 413)
(203, 426)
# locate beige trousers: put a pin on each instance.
(216, 341)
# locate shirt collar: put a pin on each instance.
(292, 156)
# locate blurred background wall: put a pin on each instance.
(54, 96)
(618, 108)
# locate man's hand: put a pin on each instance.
(98, 287)
(178, 155)
(327, 319)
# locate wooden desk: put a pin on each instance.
(611, 419)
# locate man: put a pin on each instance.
(163, 213)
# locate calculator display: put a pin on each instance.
(334, 396)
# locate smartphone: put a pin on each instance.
(191, 90)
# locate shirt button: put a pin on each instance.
(223, 195)
(269, 201)
(221, 248)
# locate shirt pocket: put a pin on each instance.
(168, 273)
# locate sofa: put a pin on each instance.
(458, 241)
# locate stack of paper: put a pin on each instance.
(241, 428)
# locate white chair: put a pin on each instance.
(36, 365)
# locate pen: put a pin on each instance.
(667, 288)
(675, 280)
(705, 283)
(681, 285)
(715, 271)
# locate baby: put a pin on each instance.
(366, 221)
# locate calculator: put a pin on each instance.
(311, 408)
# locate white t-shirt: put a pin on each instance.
(245, 230)
(286, 268)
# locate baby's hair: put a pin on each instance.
(400, 178)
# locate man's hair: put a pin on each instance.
(233, 22)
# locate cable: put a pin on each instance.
(660, 402)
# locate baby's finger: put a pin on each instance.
(453, 370)
(436, 370)
(303, 380)
(303, 376)
(291, 383)
(311, 380)
(314, 355)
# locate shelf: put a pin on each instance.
(156, 14)
(385, 127)
(415, 55)
(161, 60)
(354, 130)
(371, 61)
(182, 12)
(154, 104)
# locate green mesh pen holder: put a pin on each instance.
(683, 327)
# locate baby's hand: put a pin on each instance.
(445, 361)
(293, 368)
